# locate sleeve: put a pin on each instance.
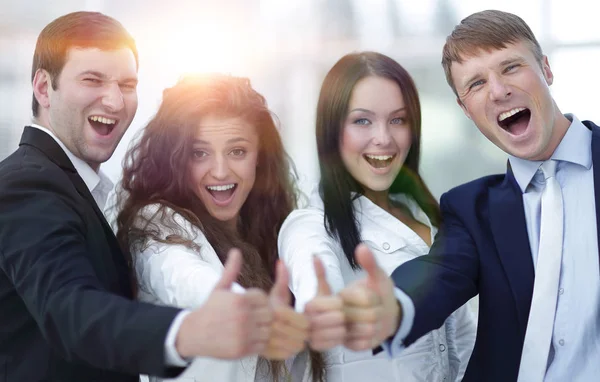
(442, 281)
(177, 275)
(44, 255)
(301, 237)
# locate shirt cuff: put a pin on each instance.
(172, 358)
(395, 345)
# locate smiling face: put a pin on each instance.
(506, 94)
(223, 165)
(93, 103)
(376, 136)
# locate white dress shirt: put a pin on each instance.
(100, 186)
(441, 355)
(575, 346)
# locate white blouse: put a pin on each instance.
(174, 275)
(441, 355)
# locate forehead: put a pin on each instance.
(377, 93)
(114, 64)
(215, 129)
(485, 59)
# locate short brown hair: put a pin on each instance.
(485, 30)
(81, 30)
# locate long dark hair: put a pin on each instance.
(337, 185)
(155, 173)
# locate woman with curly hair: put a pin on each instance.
(209, 174)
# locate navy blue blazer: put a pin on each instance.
(483, 248)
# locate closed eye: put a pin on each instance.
(93, 81)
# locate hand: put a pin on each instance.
(228, 325)
(289, 329)
(325, 314)
(372, 312)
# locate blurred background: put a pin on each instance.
(287, 47)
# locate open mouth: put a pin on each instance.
(102, 125)
(515, 121)
(379, 161)
(222, 194)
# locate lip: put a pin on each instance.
(509, 109)
(113, 130)
(381, 170)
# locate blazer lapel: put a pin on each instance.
(45, 143)
(596, 167)
(509, 229)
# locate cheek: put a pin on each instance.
(352, 142)
(403, 138)
(196, 173)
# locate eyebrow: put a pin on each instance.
(232, 140)
(371, 112)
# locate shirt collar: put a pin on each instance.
(90, 177)
(578, 136)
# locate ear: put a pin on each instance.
(42, 83)
(463, 107)
(548, 75)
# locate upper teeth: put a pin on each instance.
(106, 121)
(509, 113)
(224, 187)
(379, 157)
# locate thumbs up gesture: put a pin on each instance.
(325, 314)
(289, 329)
(372, 312)
(228, 325)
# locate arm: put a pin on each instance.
(316, 275)
(43, 253)
(451, 271)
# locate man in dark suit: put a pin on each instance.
(539, 219)
(65, 289)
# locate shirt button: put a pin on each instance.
(561, 291)
(386, 246)
(442, 347)
(561, 342)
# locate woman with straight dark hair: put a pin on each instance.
(210, 174)
(368, 140)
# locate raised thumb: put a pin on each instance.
(233, 265)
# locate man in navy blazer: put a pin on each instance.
(488, 245)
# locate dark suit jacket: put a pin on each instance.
(482, 249)
(65, 294)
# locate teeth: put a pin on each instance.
(106, 121)
(224, 187)
(509, 113)
(379, 157)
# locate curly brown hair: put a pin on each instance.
(155, 173)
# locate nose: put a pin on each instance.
(113, 98)
(382, 135)
(220, 168)
(499, 89)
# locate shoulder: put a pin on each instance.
(474, 189)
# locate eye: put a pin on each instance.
(199, 154)
(130, 87)
(476, 83)
(362, 121)
(238, 152)
(511, 68)
(92, 81)
(398, 121)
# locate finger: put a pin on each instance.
(327, 320)
(359, 344)
(233, 265)
(290, 317)
(359, 295)
(366, 260)
(360, 315)
(321, 304)
(361, 330)
(280, 293)
(290, 333)
(323, 288)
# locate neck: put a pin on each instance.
(380, 198)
